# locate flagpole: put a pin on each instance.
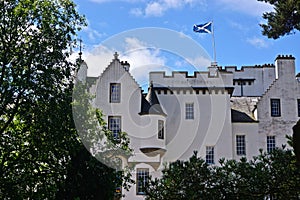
(214, 44)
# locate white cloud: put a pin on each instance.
(98, 59)
(92, 34)
(251, 7)
(136, 12)
(157, 8)
(258, 42)
(199, 62)
(238, 26)
(139, 54)
(141, 57)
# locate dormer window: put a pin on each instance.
(115, 93)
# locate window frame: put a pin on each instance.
(240, 143)
(144, 174)
(112, 129)
(271, 143)
(115, 96)
(275, 106)
(210, 155)
(189, 111)
(161, 129)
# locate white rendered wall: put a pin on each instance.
(211, 125)
(263, 75)
(130, 104)
(286, 88)
(141, 129)
(131, 194)
(253, 141)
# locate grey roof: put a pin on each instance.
(238, 116)
(150, 103)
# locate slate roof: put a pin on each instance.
(150, 103)
(238, 116)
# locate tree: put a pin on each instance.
(34, 39)
(37, 133)
(87, 177)
(182, 180)
(270, 175)
(41, 154)
(285, 18)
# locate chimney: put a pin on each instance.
(213, 70)
(285, 66)
(126, 65)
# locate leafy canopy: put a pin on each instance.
(36, 125)
(272, 176)
(284, 20)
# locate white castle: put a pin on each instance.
(220, 113)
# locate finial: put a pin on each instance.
(116, 55)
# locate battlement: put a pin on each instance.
(285, 66)
(289, 57)
(245, 68)
(198, 79)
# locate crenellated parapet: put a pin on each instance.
(285, 57)
(180, 79)
(247, 68)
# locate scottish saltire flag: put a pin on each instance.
(203, 28)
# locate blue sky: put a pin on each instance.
(238, 37)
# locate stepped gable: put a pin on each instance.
(150, 103)
(125, 65)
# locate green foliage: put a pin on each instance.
(285, 18)
(41, 155)
(92, 173)
(37, 133)
(272, 175)
(181, 180)
(33, 57)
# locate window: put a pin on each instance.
(161, 129)
(275, 108)
(210, 151)
(141, 180)
(115, 93)
(189, 111)
(298, 103)
(240, 145)
(270, 143)
(114, 125)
